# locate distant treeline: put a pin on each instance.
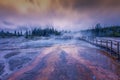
(36, 32)
(99, 31)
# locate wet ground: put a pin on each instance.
(68, 60)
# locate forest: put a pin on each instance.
(38, 32)
(99, 31)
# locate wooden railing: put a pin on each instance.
(109, 45)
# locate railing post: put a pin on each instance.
(111, 46)
(106, 44)
(96, 41)
(93, 41)
(118, 50)
(118, 47)
(101, 42)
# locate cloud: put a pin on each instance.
(60, 12)
(90, 3)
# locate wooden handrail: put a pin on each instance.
(112, 45)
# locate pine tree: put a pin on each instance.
(26, 34)
(15, 33)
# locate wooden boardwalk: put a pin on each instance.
(111, 46)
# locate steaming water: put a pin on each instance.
(70, 47)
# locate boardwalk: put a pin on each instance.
(111, 45)
(76, 61)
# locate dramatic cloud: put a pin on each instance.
(63, 14)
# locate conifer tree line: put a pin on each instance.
(99, 31)
(30, 33)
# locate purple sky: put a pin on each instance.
(62, 14)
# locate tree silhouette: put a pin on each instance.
(31, 33)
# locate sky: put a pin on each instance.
(62, 14)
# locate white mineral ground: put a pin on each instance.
(69, 60)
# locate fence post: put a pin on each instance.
(93, 40)
(118, 47)
(106, 44)
(101, 42)
(111, 45)
(96, 41)
(118, 50)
